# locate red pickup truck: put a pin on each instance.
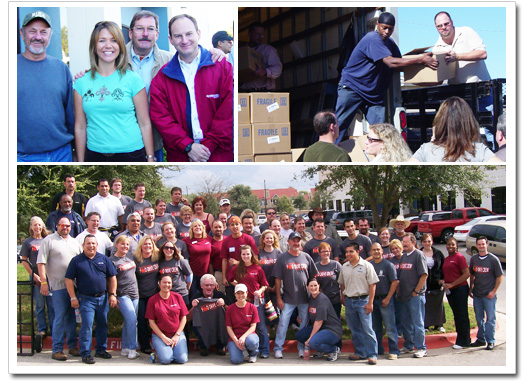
(444, 229)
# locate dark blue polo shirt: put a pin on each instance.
(91, 274)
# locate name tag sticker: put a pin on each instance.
(273, 139)
(273, 107)
(232, 249)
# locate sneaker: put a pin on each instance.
(477, 344)
(245, 353)
(147, 351)
(399, 336)
(372, 361)
(318, 355)
(404, 350)
(458, 347)
(441, 329)
(221, 352)
(295, 327)
(88, 360)
(300, 354)
(278, 354)
(392, 356)
(490, 346)
(153, 357)
(427, 329)
(133, 354)
(264, 356)
(420, 353)
(252, 359)
(103, 354)
(74, 351)
(333, 356)
(59, 356)
(125, 352)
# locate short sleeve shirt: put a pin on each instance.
(411, 268)
(328, 278)
(386, 273)
(90, 274)
(294, 271)
(241, 318)
(364, 245)
(485, 271)
(357, 278)
(110, 111)
(311, 248)
(126, 280)
(166, 312)
(320, 309)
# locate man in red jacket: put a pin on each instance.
(192, 99)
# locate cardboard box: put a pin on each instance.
(297, 153)
(245, 143)
(248, 62)
(419, 74)
(243, 108)
(245, 158)
(269, 107)
(271, 138)
(285, 157)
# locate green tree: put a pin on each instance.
(37, 185)
(241, 198)
(387, 186)
(300, 201)
(64, 40)
(284, 205)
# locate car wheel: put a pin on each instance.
(447, 234)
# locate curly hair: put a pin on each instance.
(456, 129)
(276, 243)
(394, 147)
(199, 199)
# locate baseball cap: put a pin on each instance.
(224, 201)
(294, 235)
(219, 36)
(36, 15)
(240, 287)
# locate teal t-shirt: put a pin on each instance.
(110, 111)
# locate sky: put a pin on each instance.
(275, 176)
(417, 29)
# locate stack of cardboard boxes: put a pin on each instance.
(264, 129)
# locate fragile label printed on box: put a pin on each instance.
(273, 139)
(273, 107)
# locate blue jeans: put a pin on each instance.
(93, 308)
(41, 303)
(485, 307)
(398, 318)
(61, 154)
(385, 315)
(348, 103)
(128, 309)
(413, 316)
(360, 324)
(166, 354)
(285, 316)
(324, 341)
(261, 330)
(251, 344)
(64, 322)
(159, 154)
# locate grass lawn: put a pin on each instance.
(115, 319)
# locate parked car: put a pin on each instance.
(262, 219)
(443, 223)
(461, 232)
(337, 221)
(496, 233)
(412, 228)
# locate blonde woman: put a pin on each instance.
(386, 143)
(268, 252)
(199, 246)
(29, 253)
(112, 121)
(146, 271)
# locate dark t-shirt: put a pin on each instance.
(320, 309)
(135, 206)
(147, 277)
(126, 280)
(267, 261)
(366, 72)
(387, 274)
(410, 270)
(485, 271)
(328, 276)
(364, 246)
(29, 249)
(295, 271)
(79, 202)
(178, 270)
(311, 248)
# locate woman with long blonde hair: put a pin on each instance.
(112, 120)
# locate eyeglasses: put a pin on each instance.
(271, 214)
(150, 30)
(169, 248)
(443, 25)
(65, 225)
(372, 140)
(324, 252)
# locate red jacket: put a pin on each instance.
(170, 108)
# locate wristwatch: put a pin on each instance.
(188, 148)
(113, 294)
(151, 156)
